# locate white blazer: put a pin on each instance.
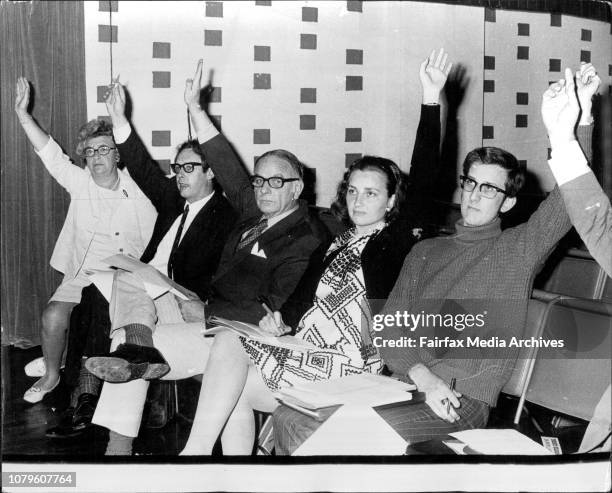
(131, 224)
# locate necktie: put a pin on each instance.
(250, 235)
(177, 240)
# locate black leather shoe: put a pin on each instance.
(129, 362)
(66, 428)
(84, 411)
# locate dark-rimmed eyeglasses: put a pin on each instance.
(486, 189)
(103, 150)
(274, 181)
(186, 167)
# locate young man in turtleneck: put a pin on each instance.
(481, 270)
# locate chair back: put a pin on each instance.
(572, 378)
(577, 275)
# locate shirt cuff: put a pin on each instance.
(48, 150)
(207, 133)
(568, 162)
(122, 133)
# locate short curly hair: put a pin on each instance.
(93, 128)
(393, 177)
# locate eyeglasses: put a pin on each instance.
(187, 167)
(103, 150)
(486, 190)
(273, 181)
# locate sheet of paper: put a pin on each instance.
(365, 388)
(253, 332)
(155, 283)
(500, 442)
(103, 279)
(353, 430)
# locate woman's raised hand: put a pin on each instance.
(274, 325)
(433, 73)
(22, 99)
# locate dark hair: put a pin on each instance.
(192, 145)
(93, 128)
(288, 157)
(495, 155)
(392, 174)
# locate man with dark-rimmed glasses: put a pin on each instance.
(264, 258)
(480, 271)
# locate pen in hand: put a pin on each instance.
(452, 388)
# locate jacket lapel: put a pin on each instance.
(266, 239)
(204, 216)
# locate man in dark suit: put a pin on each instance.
(265, 256)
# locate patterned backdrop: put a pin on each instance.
(333, 80)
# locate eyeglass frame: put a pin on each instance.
(464, 178)
(96, 150)
(267, 180)
(182, 166)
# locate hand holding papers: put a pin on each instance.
(253, 332)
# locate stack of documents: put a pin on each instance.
(364, 389)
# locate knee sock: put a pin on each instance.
(138, 334)
(118, 444)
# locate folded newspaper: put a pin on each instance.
(364, 389)
(251, 331)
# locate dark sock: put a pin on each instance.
(118, 444)
(138, 334)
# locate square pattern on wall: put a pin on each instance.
(339, 81)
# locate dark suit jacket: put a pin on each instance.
(198, 254)
(383, 256)
(242, 276)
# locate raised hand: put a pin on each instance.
(560, 109)
(587, 82)
(433, 73)
(115, 103)
(22, 99)
(193, 88)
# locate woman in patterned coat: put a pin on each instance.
(333, 305)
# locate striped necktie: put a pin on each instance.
(177, 240)
(250, 235)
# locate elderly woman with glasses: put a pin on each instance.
(332, 306)
(108, 214)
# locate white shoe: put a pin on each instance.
(36, 367)
(35, 394)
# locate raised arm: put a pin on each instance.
(161, 191)
(425, 165)
(222, 159)
(57, 163)
(36, 135)
(586, 203)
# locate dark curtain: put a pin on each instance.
(44, 42)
